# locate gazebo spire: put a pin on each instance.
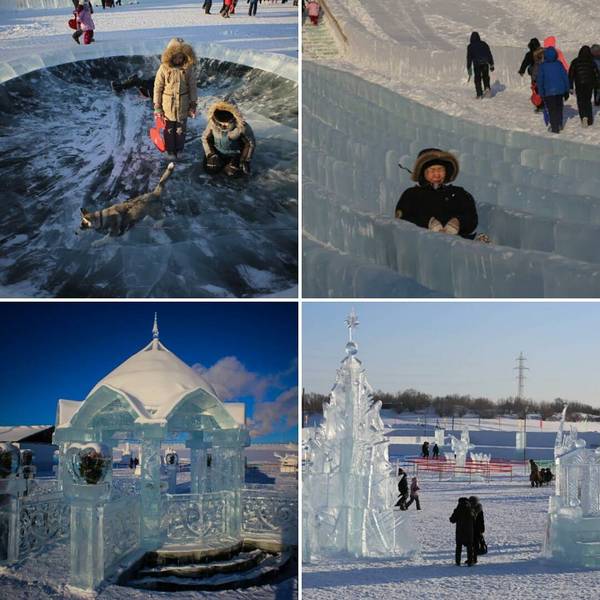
(155, 329)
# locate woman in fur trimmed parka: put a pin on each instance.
(228, 141)
(176, 92)
(435, 204)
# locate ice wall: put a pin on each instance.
(538, 199)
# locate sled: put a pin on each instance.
(72, 23)
(536, 99)
(157, 133)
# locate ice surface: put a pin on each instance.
(349, 485)
(538, 201)
(215, 235)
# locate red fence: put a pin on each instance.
(487, 470)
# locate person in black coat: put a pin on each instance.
(528, 61)
(479, 57)
(478, 525)
(464, 519)
(584, 75)
(436, 451)
(433, 203)
(402, 490)
(425, 450)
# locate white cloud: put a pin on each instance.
(280, 414)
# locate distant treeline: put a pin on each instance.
(458, 406)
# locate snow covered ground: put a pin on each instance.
(515, 517)
(274, 29)
(400, 85)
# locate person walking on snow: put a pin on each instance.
(402, 490)
(534, 475)
(550, 42)
(480, 59)
(414, 494)
(207, 6)
(176, 93)
(252, 8)
(313, 9)
(553, 86)
(464, 518)
(528, 60)
(585, 76)
(436, 451)
(85, 23)
(435, 204)
(425, 450)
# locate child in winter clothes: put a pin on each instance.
(313, 9)
(585, 76)
(553, 86)
(176, 93)
(414, 493)
(528, 61)
(228, 141)
(85, 23)
(479, 56)
(550, 42)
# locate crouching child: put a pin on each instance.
(228, 141)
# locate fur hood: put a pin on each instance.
(434, 156)
(175, 46)
(230, 107)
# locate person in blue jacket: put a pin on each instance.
(480, 59)
(553, 86)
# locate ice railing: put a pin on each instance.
(43, 518)
(279, 64)
(121, 533)
(197, 517)
(538, 200)
(270, 514)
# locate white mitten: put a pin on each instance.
(435, 225)
(452, 227)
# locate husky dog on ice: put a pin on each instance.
(118, 218)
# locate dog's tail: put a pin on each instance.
(165, 176)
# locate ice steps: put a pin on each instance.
(270, 568)
(317, 40)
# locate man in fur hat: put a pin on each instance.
(228, 141)
(175, 93)
(433, 203)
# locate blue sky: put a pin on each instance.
(460, 347)
(53, 350)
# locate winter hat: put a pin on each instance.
(550, 42)
(429, 157)
(533, 44)
(550, 54)
(475, 37)
(585, 53)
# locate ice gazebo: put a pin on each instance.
(152, 398)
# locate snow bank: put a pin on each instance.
(539, 200)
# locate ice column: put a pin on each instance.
(150, 485)
(12, 487)
(349, 486)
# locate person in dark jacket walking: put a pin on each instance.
(425, 450)
(528, 60)
(436, 451)
(207, 6)
(553, 86)
(433, 203)
(464, 519)
(534, 475)
(479, 59)
(402, 490)
(478, 525)
(584, 75)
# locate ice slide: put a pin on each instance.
(69, 142)
(538, 196)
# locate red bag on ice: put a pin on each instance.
(157, 133)
(73, 23)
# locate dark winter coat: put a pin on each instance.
(478, 52)
(527, 63)
(552, 79)
(421, 202)
(464, 518)
(479, 522)
(583, 72)
(403, 485)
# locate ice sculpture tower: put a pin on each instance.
(573, 528)
(349, 484)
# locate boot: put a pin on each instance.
(76, 37)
